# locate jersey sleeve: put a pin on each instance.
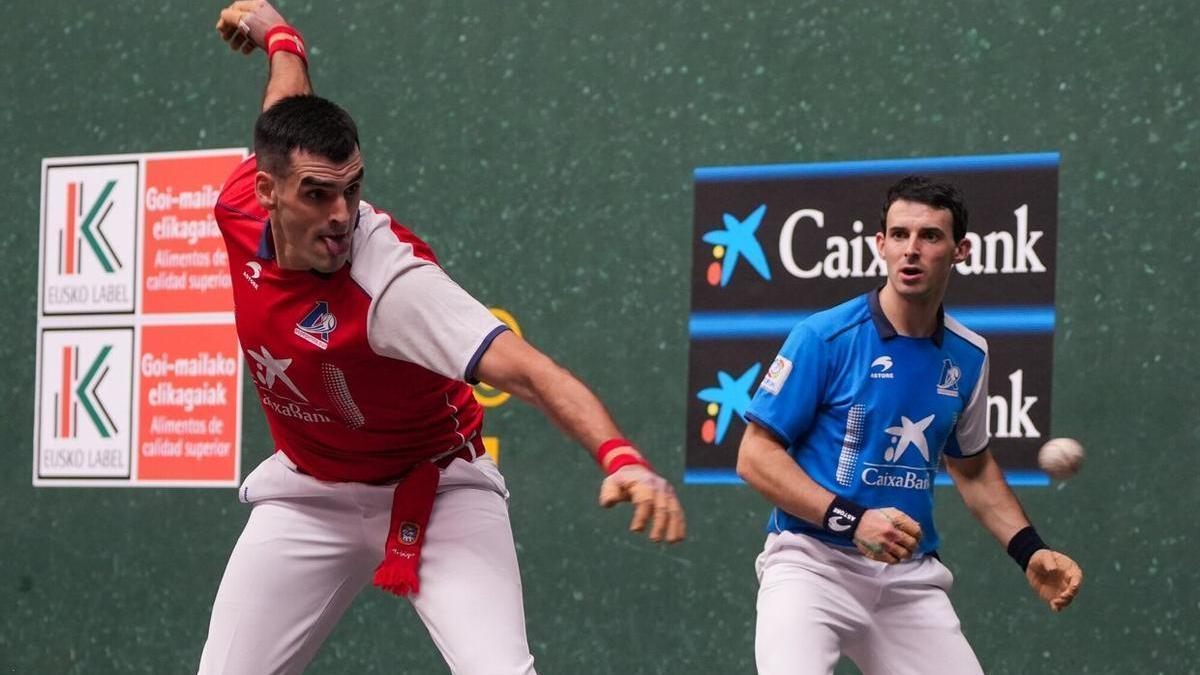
(425, 318)
(793, 388)
(970, 435)
(417, 314)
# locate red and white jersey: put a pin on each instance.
(361, 373)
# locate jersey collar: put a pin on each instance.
(266, 243)
(885, 328)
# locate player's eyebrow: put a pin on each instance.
(309, 181)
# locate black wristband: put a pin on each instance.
(1024, 544)
(842, 518)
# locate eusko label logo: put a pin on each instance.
(89, 232)
(79, 385)
(86, 403)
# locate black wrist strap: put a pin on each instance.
(1024, 544)
(842, 518)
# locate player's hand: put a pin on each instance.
(653, 500)
(245, 23)
(1055, 577)
(888, 535)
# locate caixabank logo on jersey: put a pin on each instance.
(89, 235)
(774, 244)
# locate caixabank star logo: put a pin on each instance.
(89, 237)
(737, 241)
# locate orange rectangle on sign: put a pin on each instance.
(184, 266)
(188, 413)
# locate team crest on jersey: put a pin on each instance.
(409, 531)
(316, 326)
(948, 383)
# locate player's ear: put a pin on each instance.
(962, 250)
(264, 189)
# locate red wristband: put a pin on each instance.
(626, 459)
(284, 38)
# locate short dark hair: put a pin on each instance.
(933, 193)
(308, 123)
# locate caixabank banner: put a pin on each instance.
(774, 244)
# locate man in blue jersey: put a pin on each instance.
(845, 436)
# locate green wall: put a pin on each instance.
(545, 150)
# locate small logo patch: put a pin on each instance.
(316, 326)
(409, 532)
(840, 521)
(880, 368)
(776, 375)
(948, 383)
(253, 271)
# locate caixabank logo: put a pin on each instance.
(774, 244)
(89, 237)
(85, 391)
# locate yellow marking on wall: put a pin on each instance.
(492, 445)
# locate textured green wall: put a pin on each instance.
(545, 149)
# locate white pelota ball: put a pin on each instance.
(1061, 457)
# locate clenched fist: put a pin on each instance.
(245, 23)
(888, 535)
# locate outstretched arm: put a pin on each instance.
(513, 365)
(1054, 576)
(245, 25)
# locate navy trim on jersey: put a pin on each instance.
(885, 328)
(780, 437)
(469, 375)
(266, 244)
(237, 211)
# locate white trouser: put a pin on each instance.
(816, 602)
(309, 547)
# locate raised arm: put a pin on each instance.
(515, 366)
(1054, 576)
(250, 24)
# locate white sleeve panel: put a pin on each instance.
(972, 427)
(417, 314)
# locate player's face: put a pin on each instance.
(314, 210)
(918, 247)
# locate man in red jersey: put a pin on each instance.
(360, 348)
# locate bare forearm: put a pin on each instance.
(570, 405)
(987, 495)
(289, 77)
(766, 467)
(513, 365)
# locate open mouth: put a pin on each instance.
(337, 244)
(911, 273)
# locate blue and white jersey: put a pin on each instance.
(867, 413)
